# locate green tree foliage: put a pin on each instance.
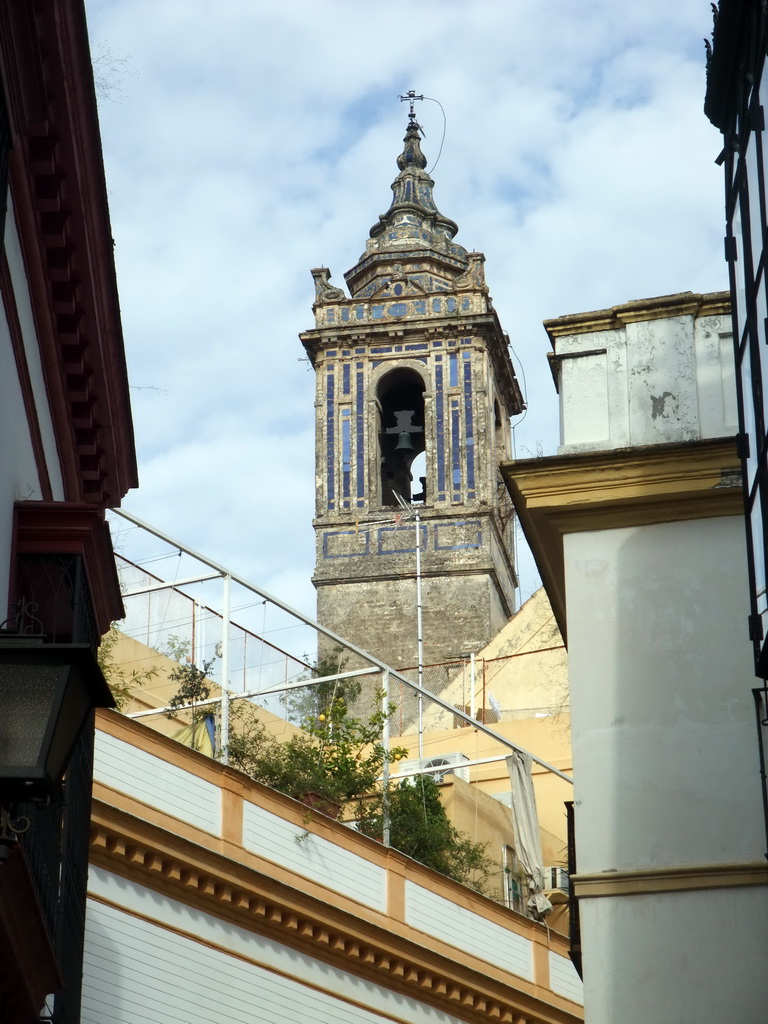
(337, 757)
(310, 702)
(420, 828)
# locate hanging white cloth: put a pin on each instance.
(526, 821)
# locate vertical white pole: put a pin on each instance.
(225, 614)
(472, 700)
(419, 635)
(385, 739)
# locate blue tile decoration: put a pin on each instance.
(399, 535)
(469, 421)
(450, 305)
(477, 542)
(345, 379)
(330, 412)
(377, 312)
(455, 449)
(381, 350)
(453, 369)
(360, 312)
(421, 347)
(398, 309)
(440, 428)
(346, 543)
(346, 453)
(360, 432)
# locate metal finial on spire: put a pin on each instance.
(410, 97)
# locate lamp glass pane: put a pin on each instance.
(28, 695)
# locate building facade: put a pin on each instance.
(66, 444)
(637, 527)
(412, 362)
(737, 92)
(212, 897)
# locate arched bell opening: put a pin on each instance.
(400, 394)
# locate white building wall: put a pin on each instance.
(157, 783)
(444, 920)
(19, 477)
(313, 857)
(662, 718)
(687, 958)
(657, 381)
(152, 960)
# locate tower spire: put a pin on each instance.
(409, 98)
(412, 230)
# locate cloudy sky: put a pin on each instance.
(247, 141)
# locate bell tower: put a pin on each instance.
(415, 389)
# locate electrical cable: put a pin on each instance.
(445, 126)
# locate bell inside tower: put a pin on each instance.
(401, 434)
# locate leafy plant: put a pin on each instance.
(420, 828)
(193, 684)
(121, 682)
(314, 700)
(338, 757)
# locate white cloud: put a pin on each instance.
(255, 141)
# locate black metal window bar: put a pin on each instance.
(53, 599)
(574, 926)
(761, 715)
(6, 144)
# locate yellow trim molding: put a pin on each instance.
(621, 487)
(679, 879)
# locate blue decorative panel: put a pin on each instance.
(345, 314)
(469, 420)
(346, 453)
(331, 352)
(422, 347)
(345, 379)
(455, 449)
(453, 369)
(377, 312)
(466, 341)
(450, 305)
(420, 307)
(360, 312)
(330, 315)
(330, 413)
(440, 428)
(380, 350)
(398, 309)
(457, 536)
(392, 538)
(437, 305)
(360, 432)
(346, 543)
